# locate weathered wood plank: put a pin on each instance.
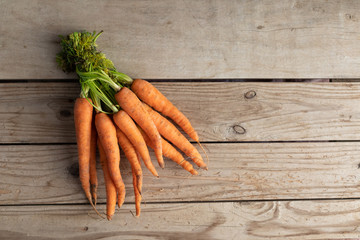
(42, 113)
(238, 171)
(233, 220)
(187, 39)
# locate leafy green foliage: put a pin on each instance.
(79, 52)
(97, 75)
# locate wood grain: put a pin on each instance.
(236, 111)
(187, 39)
(208, 221)
(237, 171)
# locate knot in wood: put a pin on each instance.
(74, 170)
(239, 129)
(349, 16)
(250, 94)
(65, 113)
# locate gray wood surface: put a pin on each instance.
(336, 219)
(274, 149)
(187, 39)
(237, 171)
(219, 111)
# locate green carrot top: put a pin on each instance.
(98, 76)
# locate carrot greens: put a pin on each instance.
(98, 76)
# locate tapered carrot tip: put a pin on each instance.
(121, 198)
(160, 159)
(205, 167)
(109, 217)
(93, 193)
(193, 172)
(91, 203)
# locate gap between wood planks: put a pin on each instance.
(203, 142)
(182, 202)
(179, 80)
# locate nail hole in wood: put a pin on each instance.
(239, 129)
(250, 94)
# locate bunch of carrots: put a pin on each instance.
(114, 111)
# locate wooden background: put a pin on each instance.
(284, 157)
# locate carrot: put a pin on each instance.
(129, 102)
(136, 192)
(107, 135)
(93, 175)
(139, 180)
(130, 152)
(171, 133)
(133, 158)
(170, 152)
(153, 97)
(109, 184)
(83, 111)
(127, 127)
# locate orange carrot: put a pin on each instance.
(170, 152)
(130, 152)
(83, 112)
(93, 175)
(109, 184)
(153, 97)
(139, 180)
(107, 135)
(128, 128)
(136, 192)
(133, 158)
(129, 102)
(171, 133)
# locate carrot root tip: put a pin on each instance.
(95, 209)
(121, 201)
(207, 157)
(93, 206)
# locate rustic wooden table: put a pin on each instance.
(284, 157)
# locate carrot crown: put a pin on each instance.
(98, 76)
